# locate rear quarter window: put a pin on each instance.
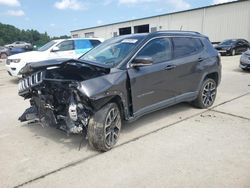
(83, 46)
(95, 42)
(184, 46)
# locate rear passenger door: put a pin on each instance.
(188, 57)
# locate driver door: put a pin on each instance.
(152, 86)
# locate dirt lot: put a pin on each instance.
(177, 147)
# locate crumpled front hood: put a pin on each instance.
(58, 63)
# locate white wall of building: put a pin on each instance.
(231, 20)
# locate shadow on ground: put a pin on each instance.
(77, 142)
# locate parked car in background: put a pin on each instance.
(14, 51)
(19, 44)
(62, 48)
(232, 46)
(4, 52)
(245, 60)
(123, 78)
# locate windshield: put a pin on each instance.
(112, 51)
(46, 46)
(228, 42)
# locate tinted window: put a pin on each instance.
(158, 49)
(228, 42)
(66, 45)
(186, 46)
(47, 46)
(83, 44)
(95, 42)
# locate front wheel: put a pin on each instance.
(207, 94)
(104, 127)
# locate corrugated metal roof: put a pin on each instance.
(210, 6)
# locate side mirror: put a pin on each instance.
(55, 49)
(141, 61)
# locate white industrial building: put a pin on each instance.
(218, 22)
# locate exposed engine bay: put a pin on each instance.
(55, 95)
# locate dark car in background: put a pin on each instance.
(245, 60)
(19, 44)
(4, 52)
(232, 46)
(14, 51)
(123, 78)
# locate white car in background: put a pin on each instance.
(63, 48)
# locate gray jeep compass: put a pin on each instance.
(120, 80)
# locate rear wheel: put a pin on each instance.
(233, 52)
(104, 127)
(207, 94)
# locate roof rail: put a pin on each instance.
(194, 32)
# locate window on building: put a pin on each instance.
(141, 28)
(89, 35)
(159, 49)
(125, 31)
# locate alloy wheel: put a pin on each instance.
(112, 127)
(209, 93)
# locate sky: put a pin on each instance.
(59, 17)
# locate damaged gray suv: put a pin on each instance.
(122, 79)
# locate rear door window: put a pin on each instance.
(82, 46)
(95, 43)
(184, 46)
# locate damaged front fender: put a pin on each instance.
(102, 89)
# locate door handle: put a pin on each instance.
(170, 67)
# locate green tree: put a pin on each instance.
(10, 34)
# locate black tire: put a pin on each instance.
(104, 127)
(233, 52)
(207, 94)
(246, 69)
